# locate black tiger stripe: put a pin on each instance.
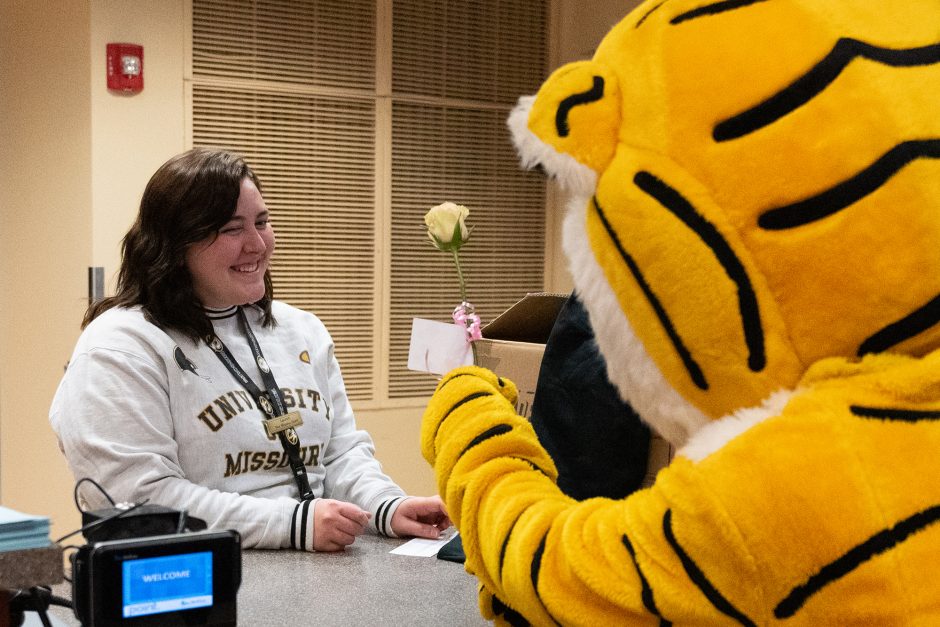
(502, 549)
(712, 9)
(817, 79)
(448, 380)
(595, 93)
(499, 380)
(530, 463)
(646, 592)
(691, 366)
(698, 577)
(492, 432)
(858, 555)
(458, 404)
(511, 616)
(534, 574)
(680, 207)
(894, 413)
(851, 190)
(505, 545)
(648, 13)
(907, 327)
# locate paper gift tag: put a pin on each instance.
(438, 347)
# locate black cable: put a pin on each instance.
(60, 601)
(94, 483)
(68, 576)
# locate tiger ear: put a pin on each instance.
(575, 113)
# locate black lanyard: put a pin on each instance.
(270, 401)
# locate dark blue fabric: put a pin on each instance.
(452, 551)
(596, 439)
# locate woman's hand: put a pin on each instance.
(336, 524)
(421, 516)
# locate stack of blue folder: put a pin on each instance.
(22, 531)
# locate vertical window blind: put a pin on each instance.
(360, 115)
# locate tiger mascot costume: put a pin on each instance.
(755, 233)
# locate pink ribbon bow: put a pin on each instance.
(464, 315)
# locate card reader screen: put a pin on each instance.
(167, 584)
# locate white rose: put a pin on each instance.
(447, 226)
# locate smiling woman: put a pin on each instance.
(229, 268)
(192, 387)
(186, 206)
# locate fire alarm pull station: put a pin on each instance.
(126, 68)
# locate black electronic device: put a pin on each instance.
(167, 580)
(126, 520)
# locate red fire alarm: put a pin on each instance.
(126, 68)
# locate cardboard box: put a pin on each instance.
(513, 343)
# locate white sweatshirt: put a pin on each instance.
(150, 414)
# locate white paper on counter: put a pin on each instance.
(421, 547)
(438, 347)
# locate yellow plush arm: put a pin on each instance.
(537, 552)
(767, 528)
(465, 428)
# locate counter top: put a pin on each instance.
(363, 585)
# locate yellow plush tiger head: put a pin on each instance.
(755, 186)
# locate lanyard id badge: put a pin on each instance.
(278, 421)
(284, 422)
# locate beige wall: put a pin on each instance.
(74, 164)
(45, 238)
(132, 135)
(75, 159)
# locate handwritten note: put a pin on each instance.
(438, 347)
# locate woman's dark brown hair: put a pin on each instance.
(188, 199)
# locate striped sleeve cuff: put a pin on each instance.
(301, 526)
(383, 516)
